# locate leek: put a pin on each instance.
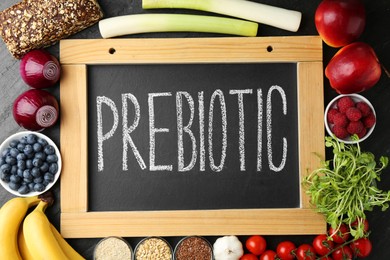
(261, 13)
(145, 23)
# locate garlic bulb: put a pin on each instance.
(228, 248)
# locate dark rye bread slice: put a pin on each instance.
(35, 24)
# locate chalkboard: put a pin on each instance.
(166, 136)
(229, 154)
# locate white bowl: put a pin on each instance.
(356, 98)
(18, 136)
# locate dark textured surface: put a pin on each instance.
(377, 34)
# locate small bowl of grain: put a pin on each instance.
(193, 247)
(153, 248)
(112, 248)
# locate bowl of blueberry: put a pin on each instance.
(30, 163)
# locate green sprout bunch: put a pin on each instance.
(343, 188)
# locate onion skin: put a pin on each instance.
(35, 110)
(39, 69)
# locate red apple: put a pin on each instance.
(340, 22)
(354, 68)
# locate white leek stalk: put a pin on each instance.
(261, 13)
(146, 23)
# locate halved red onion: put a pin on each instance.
(39, 69)
(36, 109)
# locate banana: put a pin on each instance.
(68, 249)
(23, 249)
(40, 240)
(11, 216)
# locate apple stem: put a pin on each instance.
(386, 71)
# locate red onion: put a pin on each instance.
(40, 69)
(35, 110)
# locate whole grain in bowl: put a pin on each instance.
(152, 248)
(112, 248)
(193, 248)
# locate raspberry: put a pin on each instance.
(362, 133)
(344, 103)
(353, 114)
(331, 113)
(340, 119)
(355, 127)
(369, 120)
(340, 132)
(364, 108)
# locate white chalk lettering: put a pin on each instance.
(127, 130)
(100, 136)
(152, 134)
(218, 93)
(241, 131)
(259, 129)
(186, 129)
(269, 129)
(202, 149)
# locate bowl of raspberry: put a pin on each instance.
(30, 163)
(350, 115)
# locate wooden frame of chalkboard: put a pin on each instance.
(76, 55)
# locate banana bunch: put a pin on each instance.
(31, 236)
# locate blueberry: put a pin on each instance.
(29, 164)
(21, 164)
(51, 158)
(42, 141)
(37, 162)
(27, 174)
(37, 147)
(20, 173)
(39, 187)
(15, 179)
(49, 177)
(31, 186)
(28, 149)
(21, 146)
(14, 170)
(35, 172)
(38, 180)
(5, 177)
(44, 167)
(14, 152)
(31, 138)
(23, 189)
(53, 168)
(10, 160)
(28, 180)
(49, 149)
(14, 143)
(2, 161)
(5, 152)
(14, 186)
(40, 155)
(23, 140)
(5, 168)
(21, 156)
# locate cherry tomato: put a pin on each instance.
(361, 247)
(286, 250)
(343, 253)
(325, 258)
(306, 252)
(256, 244)
(268, 255)
(341, 235)
(322, 244)
(249, 257)
(355, 224)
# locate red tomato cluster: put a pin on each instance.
(336, 245)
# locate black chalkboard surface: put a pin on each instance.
(221, 136)
(184, 136)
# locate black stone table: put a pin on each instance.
(376, 33)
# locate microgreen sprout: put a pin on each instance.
(343, 188)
